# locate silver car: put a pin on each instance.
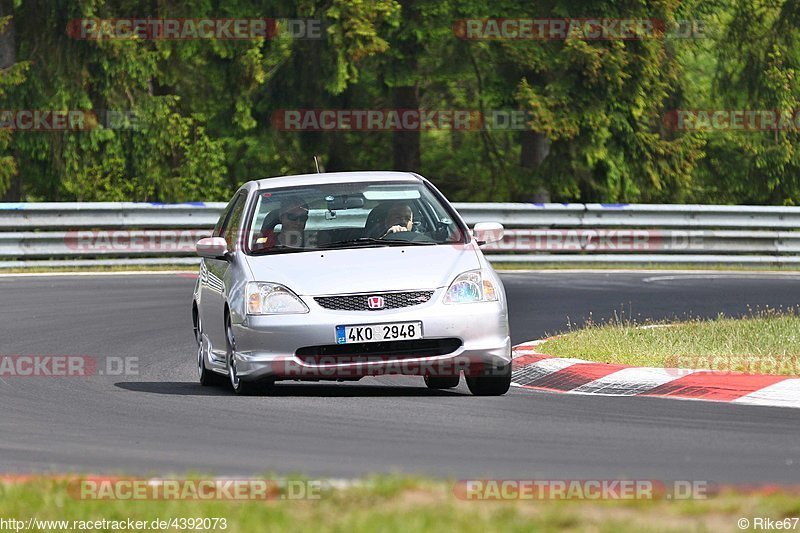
(337, 276)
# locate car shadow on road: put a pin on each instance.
(184, 388)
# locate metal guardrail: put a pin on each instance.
(67, 234)
(75, 215)
(687, 216)
(108, 215)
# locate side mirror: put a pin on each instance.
(212, 247)
(486, 232)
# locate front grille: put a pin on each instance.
(358, 302)
(379, 351)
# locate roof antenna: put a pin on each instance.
(316, 163)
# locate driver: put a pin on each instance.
(399, 217)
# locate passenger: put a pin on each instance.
(292, 217)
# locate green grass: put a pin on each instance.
(765, 342)
(393, 503)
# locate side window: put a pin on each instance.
(234, 223)
(223, 217)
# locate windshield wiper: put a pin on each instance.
(373, 242)
(282, 249)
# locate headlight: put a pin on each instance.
(270, 299)
(471, 287)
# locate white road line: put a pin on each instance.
(89, 273)
(784, 393)
(695, 271)
(747, 275)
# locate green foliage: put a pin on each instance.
(353, 35)
(10, 76)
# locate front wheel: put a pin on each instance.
(242, 388)
(208, 378)
(494, 382)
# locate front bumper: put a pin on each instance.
(266, 346)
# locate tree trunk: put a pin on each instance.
(338, 160)
(534, 149)
(8, 56)
(14, 191)
(406, 143)
(8, 52)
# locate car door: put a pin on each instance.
(215, 272)
(202, 290)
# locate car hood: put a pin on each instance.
(386, 268)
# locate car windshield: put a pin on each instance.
(349, 215)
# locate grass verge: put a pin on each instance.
(767, 341)
(393, 503)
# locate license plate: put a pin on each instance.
(397, 331)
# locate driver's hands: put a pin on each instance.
(395, 229)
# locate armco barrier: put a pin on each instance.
(119, 233)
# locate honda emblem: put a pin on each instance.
(375, 302)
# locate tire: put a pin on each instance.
(442, 382)
(495, 382)
(239, 386)
(208, 378)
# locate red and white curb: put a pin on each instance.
(535, 370)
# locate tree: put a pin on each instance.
(12, 73)
(758, 57)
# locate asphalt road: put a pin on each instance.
(161, 421)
